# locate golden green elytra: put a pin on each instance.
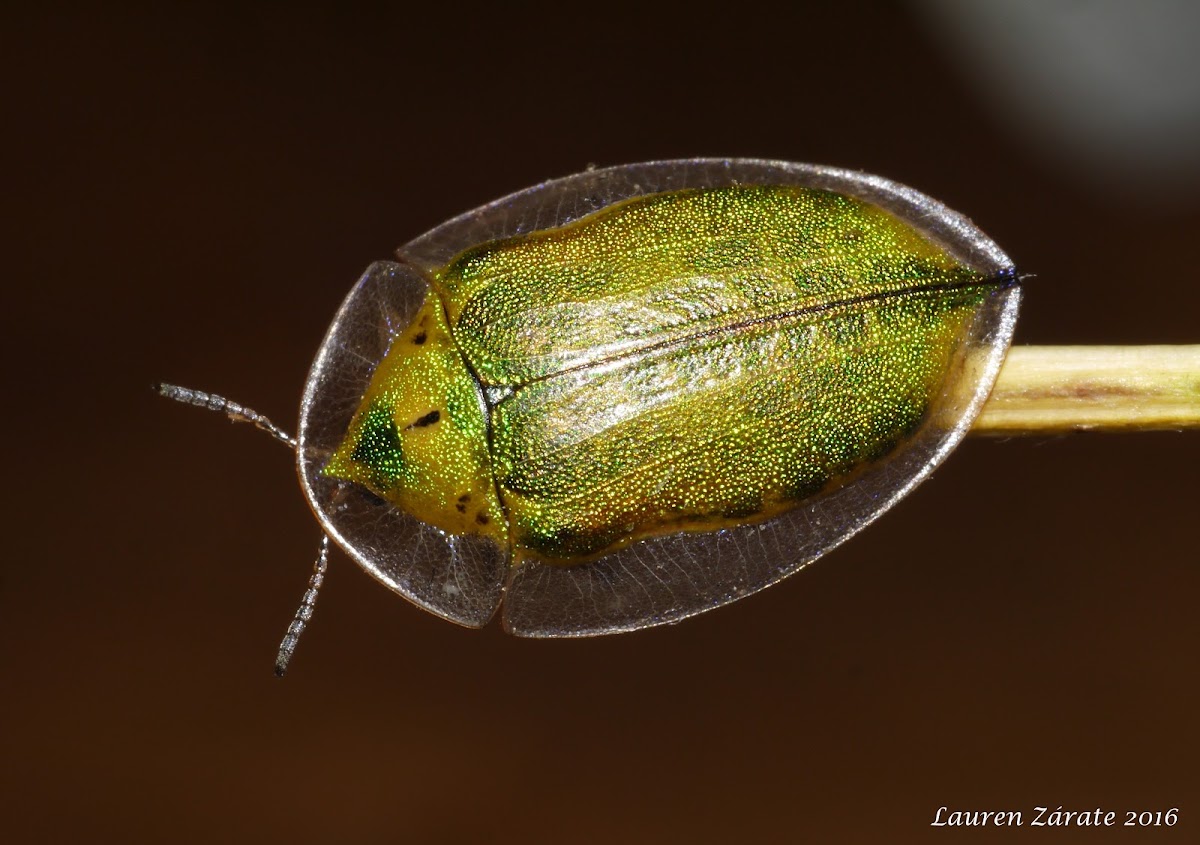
(622, 398)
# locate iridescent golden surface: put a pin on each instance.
(688, 361)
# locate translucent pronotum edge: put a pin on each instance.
(459, 578)
(652, 582)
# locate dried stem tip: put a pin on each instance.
(1056, 389)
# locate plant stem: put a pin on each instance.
(1056, 389)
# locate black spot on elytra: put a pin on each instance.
(744, 511)
(565, 543)
(802, 488)
(427, 420)
(420, 338)
(886, 445)
(371, 498)
(1009, 276)
(460, 507)
(482, 518)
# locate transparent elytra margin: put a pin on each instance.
(651, 582)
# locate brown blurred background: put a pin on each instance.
(190, 195)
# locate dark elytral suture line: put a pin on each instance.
(1003, 280)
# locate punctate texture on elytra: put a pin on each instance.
(679, 362)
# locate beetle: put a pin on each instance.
(624, 397)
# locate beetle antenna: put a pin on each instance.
(305, 611)
(235, 412)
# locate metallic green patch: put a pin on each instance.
(378, 448)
